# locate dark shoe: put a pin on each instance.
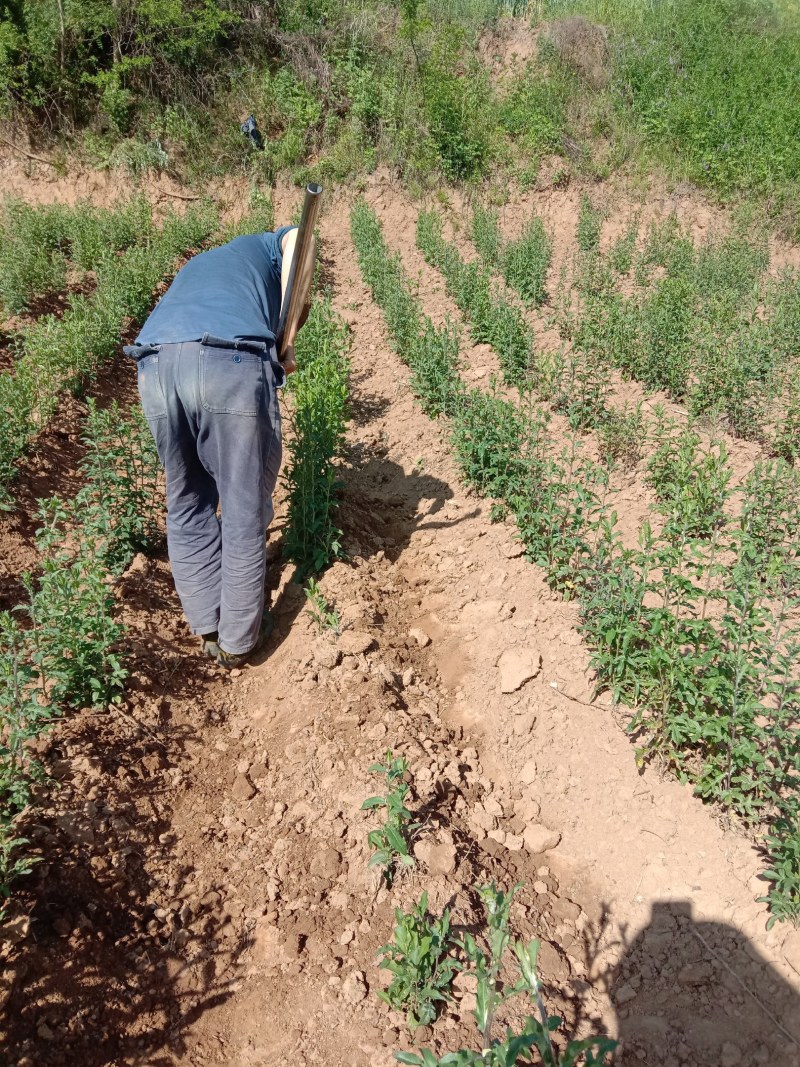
(229, 660)
(209, 644)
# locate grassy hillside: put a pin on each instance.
(707, 89)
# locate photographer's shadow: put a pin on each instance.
(699, 994)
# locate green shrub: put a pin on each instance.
(622, 435)
(457, 102)
(422, 971)
(32, 259)
(93, 232)
(486, 236)
(526, 262)
(590, 222)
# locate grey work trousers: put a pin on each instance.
(212, 407)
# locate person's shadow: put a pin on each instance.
(380, 507)
(690, 993)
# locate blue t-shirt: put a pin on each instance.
(232, 292)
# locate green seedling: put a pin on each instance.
(622, 435)
(391, 841)
(321, 611)
(422, 971)
(486, 236)
(533, 1044)
(525, 263)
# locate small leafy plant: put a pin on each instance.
(321, 611)
(526, 261)
(622, 435)
(590, 221)
(422, 971)
(533, 1043)
(391, 840)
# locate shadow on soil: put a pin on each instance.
(699, 993)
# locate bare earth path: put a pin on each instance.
(259, 921)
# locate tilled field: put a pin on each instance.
(206, 896)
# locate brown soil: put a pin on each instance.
(204, 896)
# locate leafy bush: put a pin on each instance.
(486, 236)
(95, 232)
(704, 323)
(590, 222)
(422, 972)
(457, 106)
(392, 839)
(622, 435)
(32, 260)
(98, 56)
(526, 262)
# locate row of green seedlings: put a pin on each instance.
(426, 955)
(696, 629)
(65, 353)
(47, 248)
(577, 387)
(318, 392)
(734, 745)
(62, 648)
(706, 324)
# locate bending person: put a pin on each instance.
(208, 376)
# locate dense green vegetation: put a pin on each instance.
(318, 391)
(710, 89)
(55, 352)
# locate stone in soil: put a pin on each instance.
(539, 838)
(517, 666)
(355, 642)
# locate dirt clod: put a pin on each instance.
(517, 666)
(417, 634)
(539, 838)
(355, 642)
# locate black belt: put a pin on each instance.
(209, 340)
